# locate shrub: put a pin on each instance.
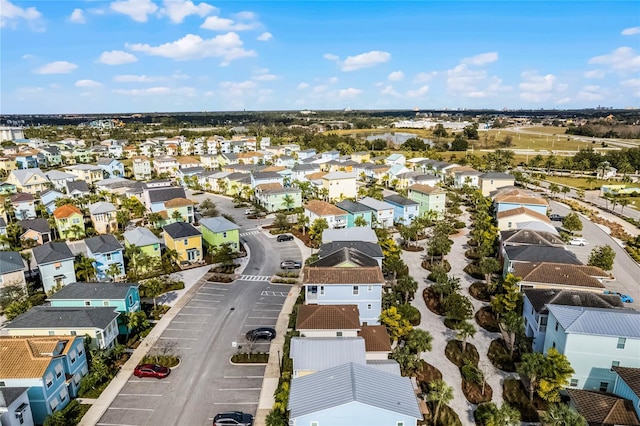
(410, 313)
(458, 224)
(164, 360)
(474, 270)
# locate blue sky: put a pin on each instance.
(176, 55)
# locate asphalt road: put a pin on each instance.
(202, 334)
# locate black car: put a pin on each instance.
(261, 333)
(556, 217)
(233, 418)
(284, 237)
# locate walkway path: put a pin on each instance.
(441, 334)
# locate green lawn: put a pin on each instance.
(577, 182)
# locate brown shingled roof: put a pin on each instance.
(631, 376)
(559, 273)
(66, 211)
(328, 317)
(268, 186)
(602, 409)
(316, 175)
(518, 197)
(376, 338)
(425, 189)
(322, 208)
(28, 357)
(347, 276)
(178, 202)
(523, 210)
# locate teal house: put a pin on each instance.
(355, 210)
(429, 198)
(217, 231)
(124, 297)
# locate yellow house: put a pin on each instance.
(69, 221)
(31, 181)
(340, 185)
(87, 172)
(361, 156)
(186, 240)
(8, 164)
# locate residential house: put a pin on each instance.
(154, 198)
(508, 199)
(12, 267)
(99, 323)
(53, 155)
(37, 230)
(14, 407)
(510, 219)
(575, 331)
(299, 172)
(356, 253)
(361, 156)
(7, 188)
(185, 240)
(530, 237)
(429, 198)
(536, 314)
(493, 181)
(124, 297)
(48, 199)
(304, 154)
(313, 354)
(8, 164)
(111, 167)
(560, 276)
(165, 166)
(86, 172)
(23, 206)
(404, 209)
(261, 178)
(328, 320)
(394, 159)
(603, 409)
(50, 367)
(188, 163)
(535, 254)
(31, 181)
(141, 168)
(78, 188)
(27, 159)
(353, 394)
(383, 212)
(470, 178)
(183, 207)
(252, 157)
(103, 217)
(335, 217)
(355, 210)
(362, 234)
(377, 343)
(69, 221)
(346, 286)
(217, 231)
(628, 385)
(405, 180)
(209, 161)
(340, 185)
(106, 251)
(145, 240)
(273, 197)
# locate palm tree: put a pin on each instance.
(85, 268)
(490, 415)
(169, 257)
(27, 256)
(288, 201)
(303, 222)
(113, 271)
(439, 393)
(154, 218)
(153, 288)
(76, 230)
(590, 181)
(562, 415)
(464, 330)
(177, 216)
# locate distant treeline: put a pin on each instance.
(621, 131)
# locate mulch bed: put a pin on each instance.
(499, 356)
(515, 394)
(451, 324)
(412, 248)
(427, 374)
(479, 291)
(432, 301)
(474, 270)
(473, 392)
(221, 278)
(453, 352)
(428, 265)
(487, 319)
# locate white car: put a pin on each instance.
(578, 242)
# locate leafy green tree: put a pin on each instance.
(464, 330)
(488, 266)
(507, 297)
(153, 288)
(288, 201)
(281, 221)
(445, 288)
(533, 367)
(177, 216)
(489, 414)
(303, 222)
(458, 307)
(512, 326)
(154, 218)
(439, 243)
(122, 218)
(113, 271)
(397, 326)
(136, 322)
(208, 208)
(409, 362)
(558, 371)
(85, 268)
(418, 341)
(406, 286)
(315, 232)
(459, 143)
(554, 189)
(572, 222)
(222, 254)
(360, 221)
(440, 394)
(562, 415)
(602, 257)
(473, 374)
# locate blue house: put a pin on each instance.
(23, 205)
(404, 209)
(628, 386)
(48, 199)
(111, 167)
(510, 199)
(51, 367)
(26, 160)
(55, 263)
(355, 210)
(125, 297)
(106, 251)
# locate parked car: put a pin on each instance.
(578, 242)
(233, 418)
(151, 370)
(556, 217)
(261, 333)
(624, 297)
(290, 264)
(284, 237)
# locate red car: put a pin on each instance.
(151, 370)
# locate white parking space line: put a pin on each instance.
(134, 409)
(196, 315)
(272, 318)
(238, 389)
(235, 403)
(243, 377)
(206, 300)
(149, 381)
(267, 310)
(140, 394)
(178, 338)
(274, 293)
(188, 322)
(182, 329)
(213, 288)
(200, 307)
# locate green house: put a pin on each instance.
(145, 240)
(273, 197)
(217, 231)
(429, 198)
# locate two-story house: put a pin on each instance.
(628, 386)
(103, 217)
(340, 185)
(183, 206)
(429, 198)
(508, 199)
(512, 254)
(31, 181)
(125, 297)
(23, 206)
(273, 197)
(69, 221)
(37, 230)
(493, 181)
(217, 231)
(328, 320)
(111, 167)
(355, 210)
(86, 172)
(560, 276)
(12, 269)
(15, 409)
(382, 212)
(575, 331)
(166, 165)
(48, 199)
(186, 240)
(141, 168)
(145, 240)
(78, 188)
(106, 251)
(404, 209)
(50, 367)
(55, 264)
(335, 217)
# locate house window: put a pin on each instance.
(108, 256)
(75, 221)
(58, 265)
(52, 333)
(54, 404)
(399, 423)
(74, 333)
(58, 369)
(573, 383)
(63, 394)
(369, 307)
(554, 345)
(338, 333)
(604, 386)
(80, 351)
(622, 341)
(369, 288)
(130, 299)
(321, 290)
(185, 242)
(314, 424)
(615, 364)
(105, 303)
(49, 380)
(356, 290)
(224, 235)
(87, 303)
(556, 325)
(72, 356)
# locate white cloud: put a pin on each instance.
(77, 16)
(349, 93)
(57, 67)
(424, 76)
(159, 90)
(135, 9)
(396, 76)
(216, 23)
(594, 74)
(266, 36)
(330, 57)
(55, 86)
(463, 80)
(245, 16)
(116, 57)
(30, 90)
(333, 80)
(177, 10)
(633, 82)
(389, 91)
(365, 60)
(226, 46)
(538, 88)
(265, 77)
(10, 15)
(130, 78)
(631, 31)
(623, 59)
(418, 93)
(27, 56)
(590, 93)
(88, 83)
(562, 101)
(481, 59)
(303, 86)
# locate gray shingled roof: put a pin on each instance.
(9, 394)
(320, 353)
(376, 204)
(10, 261)
(106, 291)
(140, 237)
(101, 207)
(160, 195)
(598, 322)
(345, 254)
(370, 249)
(103, 244)
(400, 200)
(181, 230)
(540, 297)
(353, 207)
(50, 318)
(218, 224)
(39, 225)
(350, 383)
(77, 185)
(22, 175)
(52, 252)
(536, 254)
(530, 236)
(359, 233)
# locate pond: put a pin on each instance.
(397, 138)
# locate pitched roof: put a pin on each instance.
(531, 253)
(166, 193)
(523, 210)
(52, 252)
(10, 394)
(21, 197)
(603, 409)
(85, 291)
(353, 206)
(29, 357)
(345, 255)
(560, 273)
(103, 244)
(23, 175)
(51, 318)
(77, 185)
(517, 196)
(376, 338)
(425, 189)
(320, 353)
(349, 383)
(400, 200)
(375, 204)
(339, 175)
(140, 236)
(597, 321)
(370, 249)
(540, 297)
(497, 176)
(268, 186)
(218, 224)
(58, 175)
(178, 202)
(322, 208)
(530, 236)
(631, 376)
(66, 211)
(101, 207)
(10, 261)
(181, 230)
(358, 233)
(39, 225)
(346, 276)
(316, 175)
(328, 317)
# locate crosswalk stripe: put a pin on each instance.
(255, 278)
(247, 233)
(274, 293)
